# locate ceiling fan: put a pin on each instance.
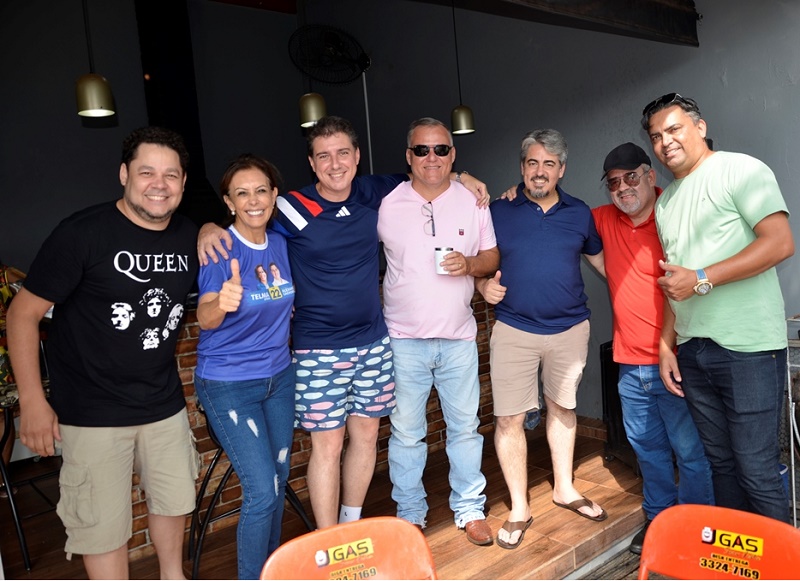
(333, 56)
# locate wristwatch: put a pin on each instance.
(703, 286)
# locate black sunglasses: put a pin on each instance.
(422, 150)
(430, 224)
(686, 104)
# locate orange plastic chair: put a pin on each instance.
(383, 547)
(692, 541)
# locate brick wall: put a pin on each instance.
(186, 354)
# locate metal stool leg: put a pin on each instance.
(8, 415)
(199, 526)
(209, 518)
(291, 496)
(200, 494)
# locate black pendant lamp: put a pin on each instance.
(312, 109)
(461, 119)
(92, 91)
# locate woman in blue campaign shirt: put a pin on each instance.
(244, 377)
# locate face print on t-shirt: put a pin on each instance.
(154, 308)
(269, 279)
(173, 320)
(155, 299)
(150, 339)
(121, 315)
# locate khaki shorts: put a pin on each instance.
(516, 357)
(95, 480)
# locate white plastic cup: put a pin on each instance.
(438, 257)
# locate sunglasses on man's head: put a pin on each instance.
(423, 150)
(668, 99)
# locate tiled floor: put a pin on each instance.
(558, 542)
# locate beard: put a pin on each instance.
(537, 192)
(629, 205)
(147, 216)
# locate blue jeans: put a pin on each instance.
(736, 399)
(658, 423)
(254, 422)
(452, 366)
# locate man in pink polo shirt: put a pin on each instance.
(431, 325)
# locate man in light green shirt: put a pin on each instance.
(724, 227)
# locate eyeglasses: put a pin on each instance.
(428, 227)
(632, 179)
(422, 150)
(686, 104)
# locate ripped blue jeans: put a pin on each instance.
(254, 422)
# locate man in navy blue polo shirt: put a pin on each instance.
(542, 321)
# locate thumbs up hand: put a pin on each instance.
(230, 296)
(491, 289)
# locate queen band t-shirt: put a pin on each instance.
(119, 292)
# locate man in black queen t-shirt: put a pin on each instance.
(115, 272)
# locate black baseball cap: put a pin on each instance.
(625, 156)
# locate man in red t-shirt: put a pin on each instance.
(656, 421)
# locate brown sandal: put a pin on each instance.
(511, 527)
(580, 503)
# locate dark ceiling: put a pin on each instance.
(670, 21)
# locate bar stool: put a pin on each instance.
(9, 399)
(199, 525)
